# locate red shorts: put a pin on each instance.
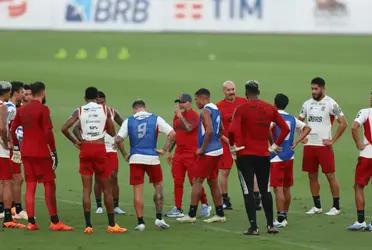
(93, 160)
(113, 161)
(207, 167)
(38, 169)
(16, 168)
(5, 170)
(318, 155)
(363, 172)
(137, 173)
(182, 164)
(281, 174)
(226, 161)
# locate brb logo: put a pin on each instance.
(105, 11)
(15, 8)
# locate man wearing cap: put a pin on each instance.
(185, 124)
(250, 131)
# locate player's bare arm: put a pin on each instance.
(110, 127)
(171, 138)
(66, 128)
(342, 125)
(77, 131)
(355, 133)
(118, 119)
(3, 126)
(187, 125)
(303, 134)
(207, 123)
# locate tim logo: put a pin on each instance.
(107, 11)
(186, 9)
(15, 8)
(79, 10)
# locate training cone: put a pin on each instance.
(61, 54)
(102, 53)
(81, 54)
(123, 54)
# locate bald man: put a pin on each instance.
(227, 107)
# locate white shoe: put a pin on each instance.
(140, 227)
(282, 224)
(215, 218)
(175, 213)
(161, 224)
(369, 228)
(357, 226)
(119, 211)
(2, 215)
(205, 211)
(333, 212)
(21, 216)
(187, 219)
(314, 210)
(99, 210)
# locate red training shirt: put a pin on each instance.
(186, 142)
(251, 126)
(38, 139)
(227, 109)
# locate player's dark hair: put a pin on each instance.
(91, 93)
(281, 101)
(204, 92)
(138, 104)
(100, 94)
(37, 88)
(27, 87)
(318, 81)
(16, 86)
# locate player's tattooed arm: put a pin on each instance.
(117, 118)
(3, 126)
(110, 127)
(171, 138)
(66, 128)
(120, 145)
(77, 132)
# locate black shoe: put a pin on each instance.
(272, 230)
(251, 231)
(227, 205)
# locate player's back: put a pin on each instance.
(93, 119)
(254, 128)
(35, 120)
(214, 145)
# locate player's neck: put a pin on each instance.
(13, 100)
(320, 98)
(252, 98)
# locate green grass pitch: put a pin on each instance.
(161, 66)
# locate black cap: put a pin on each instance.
(184, 98)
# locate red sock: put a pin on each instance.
(50, 197)
(30, 198)
(178, 193)
(203, 197)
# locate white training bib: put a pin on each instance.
(93, 119)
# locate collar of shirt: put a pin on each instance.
(282, 112)
(142, 114)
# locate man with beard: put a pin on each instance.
(227, 107)
(39, 156)
(319, 113)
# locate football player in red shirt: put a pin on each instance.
(227, 107)
(39, 155)
(185, 124)
(250, 129)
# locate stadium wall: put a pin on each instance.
(246, 16)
